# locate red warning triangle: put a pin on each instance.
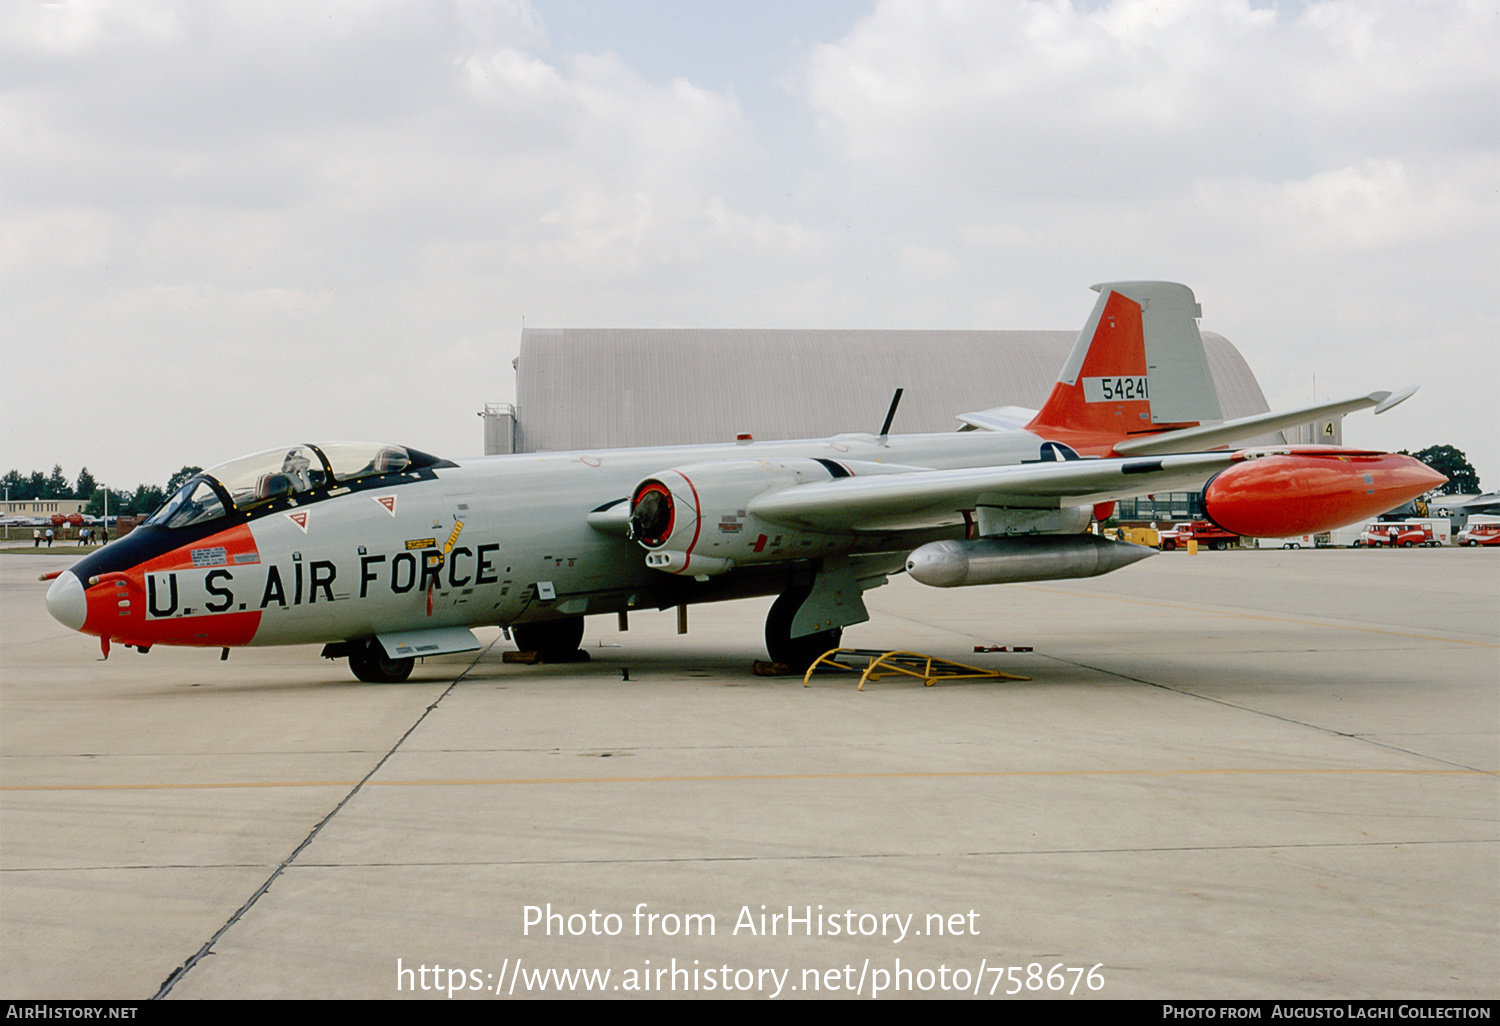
(388, 501)
(299, 518)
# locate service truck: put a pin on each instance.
(1428, 532)
(1481, 529)
(1295, 541)
(1204, 532)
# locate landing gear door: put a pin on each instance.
(836, 600)
(419, 644)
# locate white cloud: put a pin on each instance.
(1323, 174)
(84, 25)
(929, 264)
(58, 238)
(226, 192)
(1136, 97)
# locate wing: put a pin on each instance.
(936, 498)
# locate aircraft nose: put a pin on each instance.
(66, 601)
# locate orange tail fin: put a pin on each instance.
(1138, 367)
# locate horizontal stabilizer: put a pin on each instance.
(1213, 436)
(1000, 418)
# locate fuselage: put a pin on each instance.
(490, 540)
(387, 554)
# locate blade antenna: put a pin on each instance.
(885, 429)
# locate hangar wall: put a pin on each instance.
(587, 388)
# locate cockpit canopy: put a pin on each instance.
(257, 480)
(252, 480)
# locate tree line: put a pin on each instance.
(140, 501)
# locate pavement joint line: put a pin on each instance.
(1456, 771)
(1235, 615)
(850, 746)
(137, 865)
(835, 857)
(925, 856)
(181, 971)
(1364, 738)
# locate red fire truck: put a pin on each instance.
(1204, 533)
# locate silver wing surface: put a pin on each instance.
(937, 498)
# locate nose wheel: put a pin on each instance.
(370, 664)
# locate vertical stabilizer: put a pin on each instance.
(1138, 367)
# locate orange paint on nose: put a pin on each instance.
(119, 604)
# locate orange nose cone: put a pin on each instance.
(1303, 493)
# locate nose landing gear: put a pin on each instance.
(370, 663)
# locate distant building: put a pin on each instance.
(42, 507)
(595, 388)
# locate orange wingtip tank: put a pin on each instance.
(1313, 488)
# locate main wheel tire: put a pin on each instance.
(370, 664)
(798, 653)
(556, 641)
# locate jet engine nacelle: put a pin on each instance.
(1033, 557)
(1312, 488)
(694, 519)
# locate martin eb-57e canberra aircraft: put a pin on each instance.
(385, 554)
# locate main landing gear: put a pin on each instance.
(797, 653)
(556, 641)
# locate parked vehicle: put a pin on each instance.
(1296, 541)
(1135, 535)
(1352, 537)
(1201, 531)
(1479, 532)
(1405, 533)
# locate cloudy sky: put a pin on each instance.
(230, 225)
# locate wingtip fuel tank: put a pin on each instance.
(1312, 489)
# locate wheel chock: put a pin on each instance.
(874, 664)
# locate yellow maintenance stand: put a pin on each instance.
(873, 664)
